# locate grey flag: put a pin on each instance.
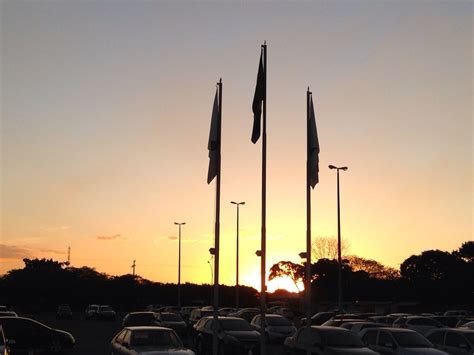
(313, 147)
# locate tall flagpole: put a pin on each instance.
(308, 214)
(263, 306)
(217, 229)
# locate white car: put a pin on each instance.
(392, 341)
(147, 340)
(419, 324)
(277, 330)
(453, 341)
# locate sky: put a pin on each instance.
(105, 113)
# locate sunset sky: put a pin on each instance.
(105, 112)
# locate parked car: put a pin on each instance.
(27, 335)
(419, 324)
(227, 310)
(322, 340)
(319, 318)
(153, 307)
(4, 350)
(457, 313)
(339, 322)
(448, 321)
(186, 312)
(468, 325)
(285, 312)
(356, 327)
(453, 341)
(8, 314)
(463, 321)
(64, 312)
(393, 341)
(246, 313)
(173, 321)
(197, 314)
(105, 312)
(91, 311)
(140, 319)
(235, 336)
(147, 340)
(278, 328)
(386, 320)
(172, 309)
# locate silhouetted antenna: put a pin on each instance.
(68, 262)
(133, 268)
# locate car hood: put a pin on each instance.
(343, 351)
(421, 351)
(150, 350)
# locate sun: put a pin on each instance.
(253, 279)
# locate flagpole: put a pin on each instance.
(263, 249)
(308, 215)
(215, 344)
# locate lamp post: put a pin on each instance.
(339, 283)
(238, 204)
(179, 224)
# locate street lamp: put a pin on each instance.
(344, 168)
(238, 204)
(179, 224)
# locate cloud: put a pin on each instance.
(11, 252)
(110, 237)
(52, 251)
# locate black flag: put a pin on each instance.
(214, 141)
(257, 101)
(313, 147)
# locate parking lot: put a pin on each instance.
(93, 337)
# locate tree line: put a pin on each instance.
(433, 277)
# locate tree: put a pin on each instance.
(466, 251)
(326, 248)
(289, 269)
(373, 268)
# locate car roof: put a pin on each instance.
(147, 328)
(398, 330)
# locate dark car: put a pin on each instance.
(453, 341)
(246, 313)
(63, 312)
(147, 341)
(319, 318)
(235, 336)
(105, 312)
(322, 340)
(197, 314)
(140, 319)
(277, 328)
(173, 321)
(27, 335)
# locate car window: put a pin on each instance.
(385, 339)
(277, 321)
(234, 324)
(256, 320)
(126, 337)
(370, 337)
(119, 337)
(437, 337)
(456, 340)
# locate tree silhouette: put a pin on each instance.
(326, 248)
(289, 269)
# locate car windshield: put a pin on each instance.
(277, 321)
(105, 308)
(234, 324)
(171, 317)
(340, 339)
(151, 337)
(411, 340)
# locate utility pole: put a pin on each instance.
(133, 268)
